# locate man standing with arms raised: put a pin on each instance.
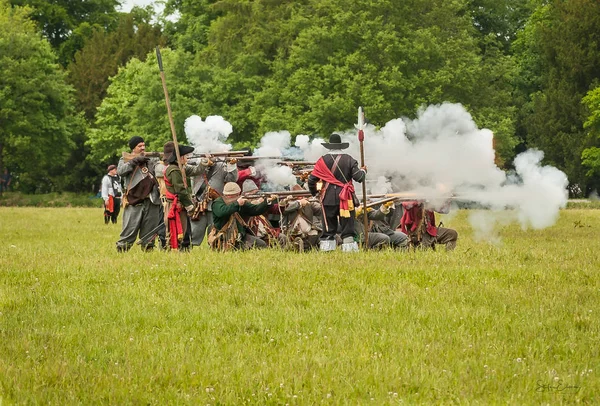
(337, 170)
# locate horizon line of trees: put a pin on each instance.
(80, 78)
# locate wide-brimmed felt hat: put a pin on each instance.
(169, 155)
(335, 142)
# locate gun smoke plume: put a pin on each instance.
(276, 144)
(209, 135)
(442, 151)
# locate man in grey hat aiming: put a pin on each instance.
(336, 171)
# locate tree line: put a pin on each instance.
(80, 78)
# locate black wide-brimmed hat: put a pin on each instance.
(335, 142)
(170, 157)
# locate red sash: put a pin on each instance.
(110, 206)
(173, 217)
(412, 218)
(322, 172)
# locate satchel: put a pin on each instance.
(140, 191)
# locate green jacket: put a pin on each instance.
(222, 212)
(173, 175)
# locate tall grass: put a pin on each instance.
(514, 323)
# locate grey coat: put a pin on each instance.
(126, 170)
(218, 175)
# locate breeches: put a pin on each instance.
(334, 223)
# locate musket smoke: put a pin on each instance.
(209, 135)
(443, 151)
(276, 144)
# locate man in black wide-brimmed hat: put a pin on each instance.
(336, 171)
(178, 193)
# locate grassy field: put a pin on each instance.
(512, 323)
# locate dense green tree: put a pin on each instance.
(190, 30)
(306, 65)
(104, 52)
(59, 21)
(499, 21)
(591, 156)
(559, 56)
(135, 105)
(36, 110)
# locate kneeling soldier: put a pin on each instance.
(230, 231)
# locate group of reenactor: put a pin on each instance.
(180, 202)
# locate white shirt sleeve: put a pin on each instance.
(105, 187)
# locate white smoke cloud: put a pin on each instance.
(443, 151)
(209, 135)
(276, 144)
(311, 150)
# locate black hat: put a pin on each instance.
(134, 141)
(169, 152)
(335, 142)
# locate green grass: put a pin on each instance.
(486, 324)
(62, 199)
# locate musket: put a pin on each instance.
(219, 154)
(286, 193)
(283, 160)
(128, 156)
(360, 126)
(375, 203)
(170, 113)
(154, 232)
(296, 163)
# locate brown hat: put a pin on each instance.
(111, 167)
(170, 156)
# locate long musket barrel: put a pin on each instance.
(297, 163)
(283, 160)
(128, 156)
(233, 154)
(375, 203)
(280, 193)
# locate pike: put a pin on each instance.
(360, 126)
(170, 113)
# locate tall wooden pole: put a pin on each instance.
(170, 113)
(361, 137)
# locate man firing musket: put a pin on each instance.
(141, 199)
(337, 171)
(380, 220)
(207, 188)
(301, 225)
(418, 222)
